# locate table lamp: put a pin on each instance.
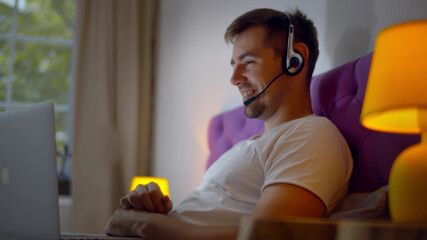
(162, 182)
(396, 101)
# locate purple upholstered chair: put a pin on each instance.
(338, 95)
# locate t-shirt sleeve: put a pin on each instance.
(314, 157)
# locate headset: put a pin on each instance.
(292, 62)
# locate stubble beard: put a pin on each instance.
(254, 110)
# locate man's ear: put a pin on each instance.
(303, 50)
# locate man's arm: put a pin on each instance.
(289, 200)
(132, 222)
(276, 200)
(144, 212)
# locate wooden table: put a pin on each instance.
(324, 229)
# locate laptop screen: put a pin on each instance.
(28, 175)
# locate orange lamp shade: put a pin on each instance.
(396, 101)
(162, 182)
(397, 83)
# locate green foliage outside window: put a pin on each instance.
(41, 42)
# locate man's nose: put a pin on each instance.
(237, 77)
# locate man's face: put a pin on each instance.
(254, 65)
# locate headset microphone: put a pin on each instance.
(248, 101)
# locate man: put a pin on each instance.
(300, 165)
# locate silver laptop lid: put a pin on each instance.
(28, 175)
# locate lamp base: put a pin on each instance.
(408, 185)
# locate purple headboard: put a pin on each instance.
(338, 95)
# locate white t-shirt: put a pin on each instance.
(308, 152)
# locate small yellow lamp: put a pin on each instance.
(396, 101)
(162, 182)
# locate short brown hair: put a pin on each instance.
(277, 25)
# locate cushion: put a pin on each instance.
(371, 205)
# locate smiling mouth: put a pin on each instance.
(248, 93)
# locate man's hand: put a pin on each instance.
(147, 198)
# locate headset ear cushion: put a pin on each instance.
(294, 65)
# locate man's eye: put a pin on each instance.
(248, 62)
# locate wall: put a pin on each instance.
(193, 67)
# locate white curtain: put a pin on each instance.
(112, 106)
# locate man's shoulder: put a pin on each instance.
(312, 118)
(309, 122)
(310, 128)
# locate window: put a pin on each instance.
(36, 58)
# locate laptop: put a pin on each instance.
(29, 206)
